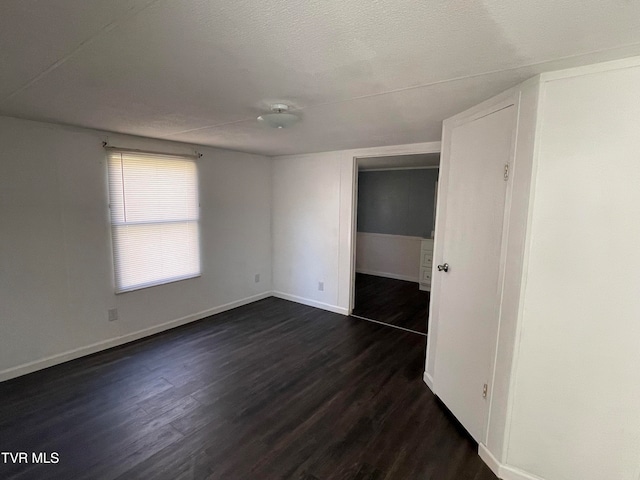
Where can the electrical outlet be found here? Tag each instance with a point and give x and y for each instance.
(321, 286)
(113, 314)
(257, 277)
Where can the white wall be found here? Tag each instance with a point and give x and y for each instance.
(56, 274)
(310, 228)
(576, 400)
(313, 223)
(391, 256)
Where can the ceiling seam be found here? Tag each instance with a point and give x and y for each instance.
(132, 12)
(413, 87)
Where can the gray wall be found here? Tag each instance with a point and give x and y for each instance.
(397, 202)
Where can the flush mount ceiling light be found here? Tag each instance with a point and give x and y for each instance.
(279, 116)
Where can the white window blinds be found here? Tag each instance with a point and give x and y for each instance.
(154, 219)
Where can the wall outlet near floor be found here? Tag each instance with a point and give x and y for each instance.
(321, 286)
(257, 277)
(113, 314)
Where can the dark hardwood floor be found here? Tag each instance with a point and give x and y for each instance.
(271, 390)
(395, 302)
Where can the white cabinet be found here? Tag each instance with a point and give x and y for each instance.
(426, 263)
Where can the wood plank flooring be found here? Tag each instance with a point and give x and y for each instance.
(391, 301)
(271, 390)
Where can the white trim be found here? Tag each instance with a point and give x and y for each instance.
(526, 255)
(395, 276)
(504, 250)
(488, 458)
(30, 367)
(504, 472)
(428, 379)
(391, 169)
(511, 473)
(395, 150)
(387, 324)
(492, 105)
(311, 303)
(591, 69)
(389, 235)
(353, 234)
(192, 156)
(407, 149)
(166, 281)
(382, 151)
(501, 102)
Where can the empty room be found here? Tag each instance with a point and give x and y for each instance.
(395, 223)
(340, 240)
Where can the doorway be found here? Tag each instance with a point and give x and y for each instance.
(395, 218)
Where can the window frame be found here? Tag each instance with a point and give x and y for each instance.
(192, 158)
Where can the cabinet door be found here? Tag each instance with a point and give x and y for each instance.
(469, 292)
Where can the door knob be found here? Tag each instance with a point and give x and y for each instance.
(443, 268)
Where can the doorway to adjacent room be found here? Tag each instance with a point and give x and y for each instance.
(395, 218)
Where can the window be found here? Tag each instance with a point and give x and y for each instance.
(154, 218)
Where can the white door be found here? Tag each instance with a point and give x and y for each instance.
(469, 293)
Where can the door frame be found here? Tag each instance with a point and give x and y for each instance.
(500, 102)
(386, 151)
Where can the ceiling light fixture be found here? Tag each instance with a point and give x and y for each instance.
(279, 118)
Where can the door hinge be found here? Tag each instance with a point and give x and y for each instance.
(485, 389)
(506, 172)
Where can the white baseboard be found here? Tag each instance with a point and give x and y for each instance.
(395, 276)
(114, 342)
(488, 458)
(504, 472)
(511, 473)
(312, 303)
(428, 379)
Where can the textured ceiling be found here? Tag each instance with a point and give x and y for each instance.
(360, 73)
(399, 161)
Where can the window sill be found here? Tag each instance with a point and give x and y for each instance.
(155, 284)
